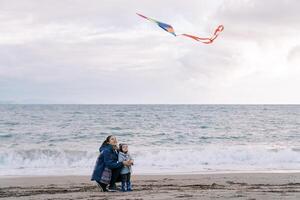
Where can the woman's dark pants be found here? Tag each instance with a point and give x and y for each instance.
(115, 177)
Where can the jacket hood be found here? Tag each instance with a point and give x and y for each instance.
(123, 153)
(106, 146)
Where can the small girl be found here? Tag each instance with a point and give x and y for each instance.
(126, 171)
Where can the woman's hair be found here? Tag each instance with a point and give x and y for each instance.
(106, 141)
(120, 147)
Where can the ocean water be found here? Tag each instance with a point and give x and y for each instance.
(163, 139)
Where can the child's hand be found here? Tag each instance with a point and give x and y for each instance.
(131, 162)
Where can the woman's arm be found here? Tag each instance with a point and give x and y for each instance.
(109, 162)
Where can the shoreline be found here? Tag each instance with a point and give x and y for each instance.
(165, 174)
(188, 186)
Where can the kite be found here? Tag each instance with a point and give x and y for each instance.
(170, 29)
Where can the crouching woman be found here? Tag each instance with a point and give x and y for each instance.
(107, 169)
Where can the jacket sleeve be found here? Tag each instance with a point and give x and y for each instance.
(121, 158)
(130, 158)
(109, 162)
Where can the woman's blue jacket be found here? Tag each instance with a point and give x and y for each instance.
(108, 158)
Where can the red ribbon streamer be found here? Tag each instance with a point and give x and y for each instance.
(207, 40)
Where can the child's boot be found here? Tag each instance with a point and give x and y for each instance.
(123, 186)
(129, 189)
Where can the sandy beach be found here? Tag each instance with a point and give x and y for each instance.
(206, 186)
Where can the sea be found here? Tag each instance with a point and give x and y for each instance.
(163, 139)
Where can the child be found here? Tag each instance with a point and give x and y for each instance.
(126, 171)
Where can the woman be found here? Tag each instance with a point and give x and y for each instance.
(107, 168)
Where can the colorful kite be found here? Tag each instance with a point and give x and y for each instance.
(170, 29)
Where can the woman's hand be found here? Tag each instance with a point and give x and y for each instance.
(127, 163)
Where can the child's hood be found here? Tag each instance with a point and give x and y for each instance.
(123, 154)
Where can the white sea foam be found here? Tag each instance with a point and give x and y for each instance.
(157, 160)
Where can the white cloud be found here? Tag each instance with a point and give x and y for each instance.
(101, 52)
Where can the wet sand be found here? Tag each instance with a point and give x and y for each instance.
(209, 186)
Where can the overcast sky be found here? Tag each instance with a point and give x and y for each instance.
(100, 51)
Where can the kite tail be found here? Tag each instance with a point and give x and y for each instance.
(203, 40)
(207, 40)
